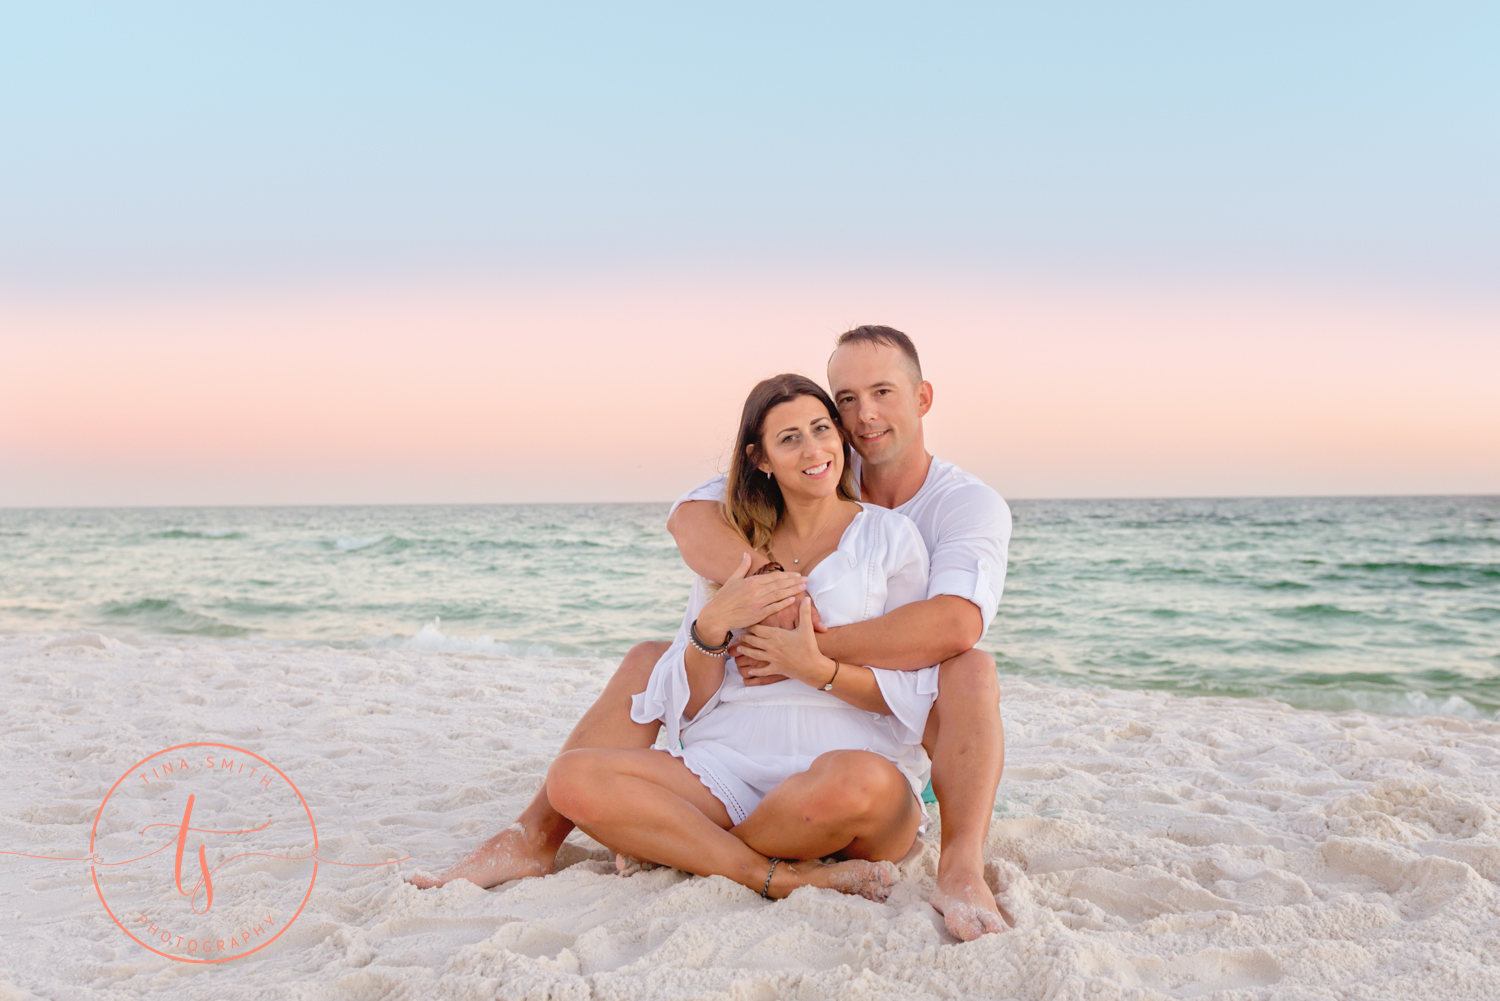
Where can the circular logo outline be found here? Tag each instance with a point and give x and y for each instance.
(94, 833)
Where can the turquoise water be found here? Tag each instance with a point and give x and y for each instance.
(1390, 604)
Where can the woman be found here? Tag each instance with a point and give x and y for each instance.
(828, 761)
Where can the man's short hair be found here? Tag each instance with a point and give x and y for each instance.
(889, 336)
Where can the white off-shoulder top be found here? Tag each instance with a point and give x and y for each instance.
(746, 741)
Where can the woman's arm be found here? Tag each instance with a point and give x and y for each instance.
(705, 676)
(741, 602)
(794, 653)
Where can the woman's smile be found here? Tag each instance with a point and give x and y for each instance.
(816, 472)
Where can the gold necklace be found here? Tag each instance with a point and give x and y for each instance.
(798, 558)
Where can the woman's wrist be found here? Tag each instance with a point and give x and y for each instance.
(710, 629)
(823, 671)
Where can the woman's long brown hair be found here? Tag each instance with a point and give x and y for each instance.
(752, 500)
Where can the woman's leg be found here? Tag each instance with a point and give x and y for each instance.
(529, 846)
(649, 805)
(851, 802)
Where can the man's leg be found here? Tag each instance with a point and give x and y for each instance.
(529, 846)
(966, 742)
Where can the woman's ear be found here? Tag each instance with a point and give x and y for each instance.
(763, 466)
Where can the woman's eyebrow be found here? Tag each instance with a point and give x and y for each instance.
(785, 430)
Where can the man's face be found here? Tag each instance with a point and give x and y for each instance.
(879, 398)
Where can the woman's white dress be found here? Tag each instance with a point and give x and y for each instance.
(745, 741)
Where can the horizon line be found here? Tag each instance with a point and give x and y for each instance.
(581, 503)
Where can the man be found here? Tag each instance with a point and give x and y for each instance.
(876, 381)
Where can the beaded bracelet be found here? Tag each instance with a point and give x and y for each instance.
(704, 648)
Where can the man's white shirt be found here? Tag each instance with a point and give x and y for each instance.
(964, 522)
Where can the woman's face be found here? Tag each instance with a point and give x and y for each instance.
(803, 449)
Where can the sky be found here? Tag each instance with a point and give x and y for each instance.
(378, 253)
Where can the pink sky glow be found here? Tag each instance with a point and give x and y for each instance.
(627, 389)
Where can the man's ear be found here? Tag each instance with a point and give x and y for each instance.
(924, 398)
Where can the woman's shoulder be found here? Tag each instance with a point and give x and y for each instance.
(885, 525)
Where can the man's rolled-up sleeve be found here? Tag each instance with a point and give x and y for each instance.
(712, 490)
(973, 544)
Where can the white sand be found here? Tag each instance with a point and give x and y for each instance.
(1147, 846)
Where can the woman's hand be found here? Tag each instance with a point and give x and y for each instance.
(749, 667)
(790, 652)
(744, 601)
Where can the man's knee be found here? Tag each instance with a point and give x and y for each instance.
(971, 677)
(968, 702)
(635, 669)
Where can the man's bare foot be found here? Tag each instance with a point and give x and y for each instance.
(967, 906)
(627, 866)
(509, 855)
(872, 880)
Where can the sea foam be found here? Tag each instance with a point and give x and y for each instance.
(431, 639)
(1389, 604)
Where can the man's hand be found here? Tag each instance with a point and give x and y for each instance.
(793, 652)
(784, 619)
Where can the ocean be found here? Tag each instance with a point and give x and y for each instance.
(1160, 831)
(1390, 605)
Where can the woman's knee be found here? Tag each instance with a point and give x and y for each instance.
(853, 785)
(575, 784)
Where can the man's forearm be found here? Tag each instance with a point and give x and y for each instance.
(908, 638)
(708, 545)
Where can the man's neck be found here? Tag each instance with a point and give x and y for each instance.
(892, 484)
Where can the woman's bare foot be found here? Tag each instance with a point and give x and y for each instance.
(627, 866)
(967, 906)
(872, 880)
(511, 854)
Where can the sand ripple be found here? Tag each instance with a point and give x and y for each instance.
(1146, 846)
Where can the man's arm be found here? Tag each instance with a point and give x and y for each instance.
(908, 638)
(967, 568)
(708, 545)
(914, 636)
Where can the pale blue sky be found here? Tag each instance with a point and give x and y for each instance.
(176, 144)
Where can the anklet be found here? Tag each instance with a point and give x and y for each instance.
(767, 891)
